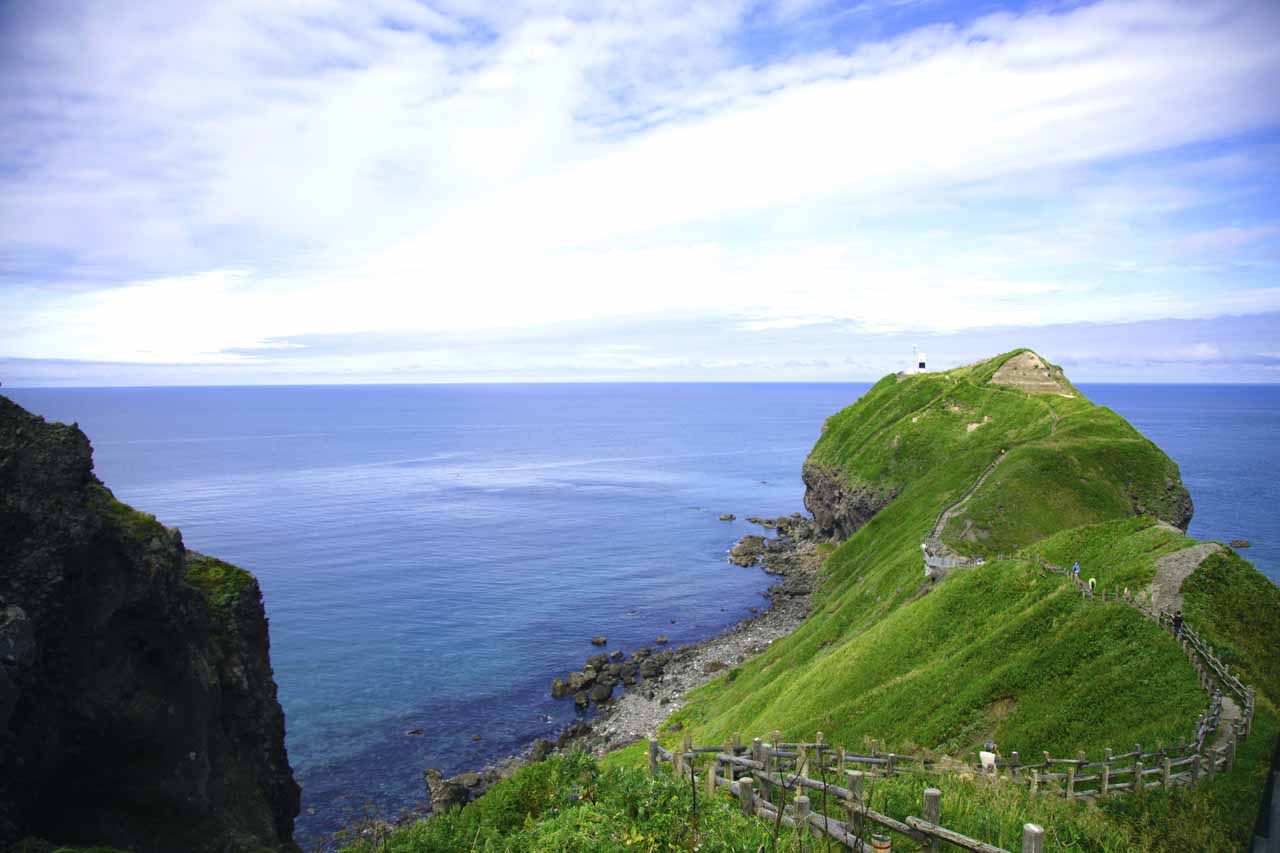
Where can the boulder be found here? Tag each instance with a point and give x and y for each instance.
(1239, 543)
(661, 640)
(576, 681)
(616, 656)
(541, 749)
(597, 662)
(728, 516)
(748, 551)
(444, 793)
(601, 693)
(581, 699)
(714, 666)
(599, 641)
(558, 688)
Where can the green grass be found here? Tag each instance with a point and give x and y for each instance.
(572, 803)
(221, 583)
(1004, 652)
(139, 526)
(1237, 609)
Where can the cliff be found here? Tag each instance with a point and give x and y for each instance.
(137, 704)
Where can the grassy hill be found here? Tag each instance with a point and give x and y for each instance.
(1003, 459)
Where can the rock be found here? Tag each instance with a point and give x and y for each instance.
(444, 793)
(608, 680)
(629, 680)
(714, 666)
(747, 551)
(581, 699)
(677, 726)
(840, 505)
(614, 669)
(649, 668)
(641, 654)
(135, 675)
(728, 516)
(475, 738)
(541, 749)
(630, 668)
(598, 662)
(599, 641)
(1239, 543)
(414, 733)
(558, 688)
(661, 640)
(601, 693)
(575, 682)
(616, 656)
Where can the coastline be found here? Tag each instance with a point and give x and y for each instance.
(793, 556)
(638, 713)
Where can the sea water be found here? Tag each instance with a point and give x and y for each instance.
(432, 556)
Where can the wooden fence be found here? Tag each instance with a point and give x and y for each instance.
(782, 770)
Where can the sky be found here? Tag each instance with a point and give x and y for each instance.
(314, 191)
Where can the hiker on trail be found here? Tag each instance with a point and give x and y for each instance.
(1075, 570)
(1177, 624)
(1093, 582)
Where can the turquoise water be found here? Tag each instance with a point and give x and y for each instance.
(432, 556)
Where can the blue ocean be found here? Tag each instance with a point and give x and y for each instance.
(431, 556)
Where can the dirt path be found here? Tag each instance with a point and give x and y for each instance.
(1173, 569)
(951, 511)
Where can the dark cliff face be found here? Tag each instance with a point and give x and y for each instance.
(839, 507)
(137, 704)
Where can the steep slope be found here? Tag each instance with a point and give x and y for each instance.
(137, 705)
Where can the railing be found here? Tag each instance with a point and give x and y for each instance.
(784, 769)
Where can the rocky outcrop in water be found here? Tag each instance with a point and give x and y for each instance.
(137, 704)
(839, 506)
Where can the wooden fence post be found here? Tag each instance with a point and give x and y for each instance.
(1106, 773)
(728, 749)
(1032, 838)
(711, 776)
(766, 787)
(933, 813)
(653, 758)
(745, 798)
(888, 767)
(1164, 776)
(854, 804)
(1013, 765)
(1138, 784)
(1071, 782)
(800, 807)
(1137, 762)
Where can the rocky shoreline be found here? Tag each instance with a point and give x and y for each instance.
(668, 676)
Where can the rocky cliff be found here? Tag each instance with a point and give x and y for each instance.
(839, 505)
(137, 704)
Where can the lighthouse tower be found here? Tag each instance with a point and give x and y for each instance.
(917, 361)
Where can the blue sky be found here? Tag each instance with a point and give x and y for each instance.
(318, 191)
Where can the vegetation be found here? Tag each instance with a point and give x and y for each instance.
(571, 802)
(138, 526)
(221, 583)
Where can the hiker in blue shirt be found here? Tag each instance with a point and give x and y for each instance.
(1076, 571)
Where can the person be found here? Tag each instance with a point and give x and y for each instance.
(1093, 583)
(1177, 623)
(1075, 570)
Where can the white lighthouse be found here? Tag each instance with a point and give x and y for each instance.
(917, 361)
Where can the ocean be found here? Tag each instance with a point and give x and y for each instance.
(432, 556)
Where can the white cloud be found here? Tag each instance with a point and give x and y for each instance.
(242, 172)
